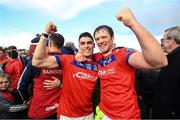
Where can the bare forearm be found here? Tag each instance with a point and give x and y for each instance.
(40, 51)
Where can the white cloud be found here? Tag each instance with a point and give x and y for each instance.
(19, 39)
(129, 41)
(63, 9)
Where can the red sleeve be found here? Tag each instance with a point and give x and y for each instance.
(18, 69)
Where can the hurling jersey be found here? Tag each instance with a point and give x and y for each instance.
(117, 82)
(79, 81)
(44, 103)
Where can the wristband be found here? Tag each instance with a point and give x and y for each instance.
(45, 35)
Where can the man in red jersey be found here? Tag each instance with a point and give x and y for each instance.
(116, 68)
(44, 101)
(79, 78)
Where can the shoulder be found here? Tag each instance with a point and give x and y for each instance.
(124, 49)
(66, 57)
(97, 56)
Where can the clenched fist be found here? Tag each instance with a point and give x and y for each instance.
(50, 28)
(126, 16)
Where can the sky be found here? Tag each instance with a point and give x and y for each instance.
(21, 20)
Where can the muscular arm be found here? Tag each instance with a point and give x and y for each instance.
(39, 58)
(152, 55)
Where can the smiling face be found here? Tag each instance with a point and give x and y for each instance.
(104, 41)
(86, 46)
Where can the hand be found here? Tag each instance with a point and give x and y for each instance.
(50, 28)
(79, 57)
(51, 84)
(126, 16)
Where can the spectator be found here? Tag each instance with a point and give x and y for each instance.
(146, 80)
(69, 48)
(20, 57)
(8, 109)
(72, 46)
(166, 102)
(14, 69)
(3, 57)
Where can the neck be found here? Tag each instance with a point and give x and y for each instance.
(174, 47)
(89, 58)
(109, 52)
(52, 49)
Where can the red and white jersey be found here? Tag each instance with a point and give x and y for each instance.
(44, 102)
(79, 81)
(117, 82)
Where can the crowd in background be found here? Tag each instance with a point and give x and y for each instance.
(28, 85)
(14, 69)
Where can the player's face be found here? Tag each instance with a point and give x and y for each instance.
(4, 84)
(104, 41)
(86, 46)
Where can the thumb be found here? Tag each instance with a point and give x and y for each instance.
(54, 77)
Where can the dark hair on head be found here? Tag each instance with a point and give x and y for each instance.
(85, 34)
(5, 49)
(57, 40)
(106, 28)
(1, 48)
(12, 54)
(12, 47)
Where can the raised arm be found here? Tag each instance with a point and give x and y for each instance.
(40, 59)
(152, 55)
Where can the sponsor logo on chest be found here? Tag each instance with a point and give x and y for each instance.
(84, 76)
(104, 72)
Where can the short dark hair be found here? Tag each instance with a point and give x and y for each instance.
(12, 47)
(105, 27)
(1, 49)
(12, 54)
(57, 40)
(85, 34)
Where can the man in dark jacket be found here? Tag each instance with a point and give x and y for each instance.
(167, 100)
(146, 81)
